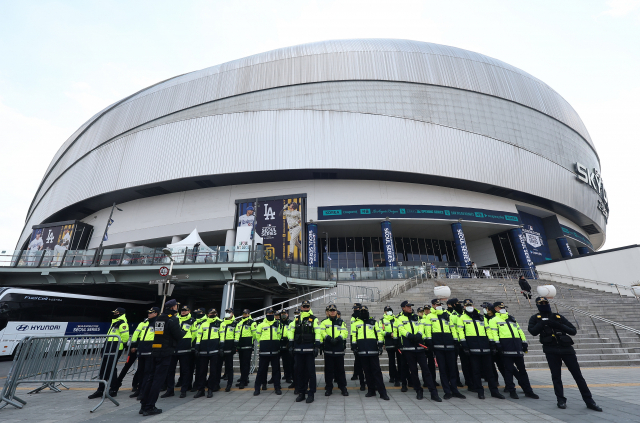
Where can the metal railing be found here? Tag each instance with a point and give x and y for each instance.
(600, 318)
(55, 360)
(399, 288)
(619, 288)
(354, 293)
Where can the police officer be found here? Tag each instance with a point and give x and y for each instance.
(141, 347)
(306, 346)
(410, 330)
(555, 330)
(285, 355)
(167, 334)
(367, 337)
(431, 359)
(441, 335)
(387, 324)
(511, 343)
(199, 316)
(245, 335)
(489, 314)
(358, 374)
(208, 349)
(268, 334)
(334, 338)
(119, 327)
(476, 345)
(182, 354)
(289, 333)
(229, 345)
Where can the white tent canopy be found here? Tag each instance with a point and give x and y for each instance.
(189, 242)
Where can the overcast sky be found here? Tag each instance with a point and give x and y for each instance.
(63, 61)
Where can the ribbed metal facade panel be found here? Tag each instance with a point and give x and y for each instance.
(255, 141)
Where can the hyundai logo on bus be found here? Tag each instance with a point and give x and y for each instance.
(23, 328)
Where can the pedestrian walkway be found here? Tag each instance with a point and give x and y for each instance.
(616, 390)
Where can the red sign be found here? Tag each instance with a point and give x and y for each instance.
(164, 271)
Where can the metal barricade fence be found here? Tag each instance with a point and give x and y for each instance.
(52, 361)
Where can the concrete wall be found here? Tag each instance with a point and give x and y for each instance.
(618, 266)
(482, 252)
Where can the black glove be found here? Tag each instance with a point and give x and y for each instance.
(290, 347)
(197, 353)
(328, 339)
(418, 337)
(336, 340)
(410, 336)
(525, 347)
(221, 352)
(354, 347)
(429, 343)
(494, 350)
(465, 347)
(316, 350)
(380, 345)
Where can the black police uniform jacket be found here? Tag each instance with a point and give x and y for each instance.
(554, 330)
(167, 335)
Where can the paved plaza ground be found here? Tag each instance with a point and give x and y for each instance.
(616, 390)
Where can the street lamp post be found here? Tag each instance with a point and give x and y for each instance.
(167, 253)
(99, 251)
(327, 262)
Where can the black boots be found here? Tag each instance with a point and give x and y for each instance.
(199, 394)
(96, 394)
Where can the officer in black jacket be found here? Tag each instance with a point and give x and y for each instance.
(167, 334)
(287, 359)
(554, 330)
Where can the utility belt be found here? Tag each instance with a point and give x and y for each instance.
(556, 339)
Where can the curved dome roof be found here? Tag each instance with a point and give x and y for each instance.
(327, 61)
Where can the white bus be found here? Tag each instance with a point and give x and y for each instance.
(29, 312)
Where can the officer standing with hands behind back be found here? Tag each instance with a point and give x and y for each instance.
(554, 330)
(306, 346)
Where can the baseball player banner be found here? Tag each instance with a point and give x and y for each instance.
(276, 223)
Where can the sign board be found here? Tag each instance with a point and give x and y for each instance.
(164, 271)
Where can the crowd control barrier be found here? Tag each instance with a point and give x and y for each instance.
(52, 361)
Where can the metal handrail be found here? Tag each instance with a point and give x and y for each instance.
(593, 281)
(287, 301)
(398, 289)
(602, 319)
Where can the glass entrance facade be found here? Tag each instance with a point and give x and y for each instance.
(355, 252)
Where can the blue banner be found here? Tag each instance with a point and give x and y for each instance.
(583, 251)
(83, 328)
(461, 244)
(568, 232)
(312, 245)
(520, 244)
(565, 249)
(387, 241)
(536, 238)
(416, 212)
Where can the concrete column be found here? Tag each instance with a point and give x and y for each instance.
(565, 249)
(267, 300)
(583, 251)
(229, 244)
(524, 258)
(176, 238)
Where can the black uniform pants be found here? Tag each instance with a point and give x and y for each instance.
(263, 370)
(357, 368)
(448, 368)
(138, 377)
(517, 361)
(394, 358)
(457, 353)
(305, 373)
(481, 365)
(414, 359)
(186, 372)
(373, 374)
(465, 363)
(244, 356)
(207, 364)
(571, 361)
(105, 367)
(431, 361)
(287, 363)
(334, 370)
(155, 374)
(228, 367)
(131, 358)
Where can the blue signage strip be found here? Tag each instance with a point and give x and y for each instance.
(312, 245)
(83, 328)
(416, 212)
(576, 236)
(565, 250)
(387, 241)
(583, 251)
(519, 242)
(461, 244)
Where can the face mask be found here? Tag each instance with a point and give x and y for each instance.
(389, 313)
(503, 311)
(270, 317)
(484, 310)
(439, 308)
(458, 308)
(227, 315)
(364, 315)
(544, 308)
(469, 309)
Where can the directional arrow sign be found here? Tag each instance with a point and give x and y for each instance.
(157, 281)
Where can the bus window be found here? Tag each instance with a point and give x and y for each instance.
(68, 313)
